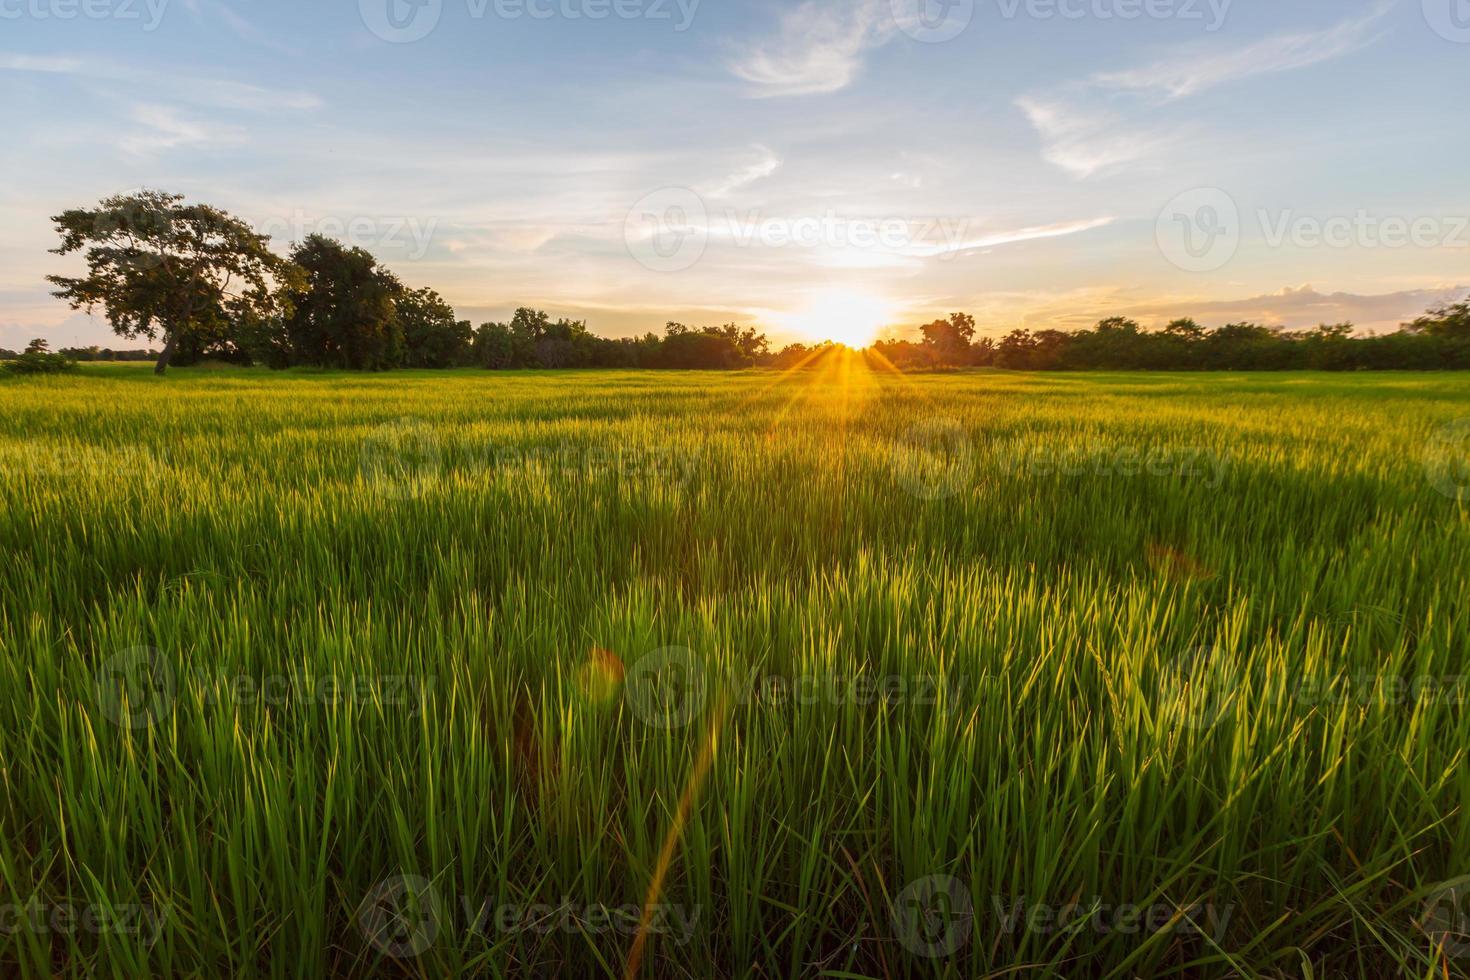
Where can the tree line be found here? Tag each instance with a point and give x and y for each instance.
(207, 286)
(1438, 340)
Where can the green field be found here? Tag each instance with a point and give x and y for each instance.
(833, 673)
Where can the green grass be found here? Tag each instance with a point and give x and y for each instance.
(1186, 643)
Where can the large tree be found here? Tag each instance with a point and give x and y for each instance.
(159, 266)
(343, 312)
(432, 337)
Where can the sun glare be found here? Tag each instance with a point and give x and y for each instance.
(846, 316)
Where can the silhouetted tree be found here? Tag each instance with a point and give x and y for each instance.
(158, 266)
(343, 311)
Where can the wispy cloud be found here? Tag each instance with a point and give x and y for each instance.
(1087, 127)
(1196, 71)
(1015, 236)
(165, 128)
(818, 48)
(236, 24)
(211, 93)
(765, 166)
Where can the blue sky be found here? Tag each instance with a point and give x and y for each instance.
(819, 168)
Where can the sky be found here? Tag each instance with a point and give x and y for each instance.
(826, 168)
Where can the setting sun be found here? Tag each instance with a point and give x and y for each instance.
(846, 316)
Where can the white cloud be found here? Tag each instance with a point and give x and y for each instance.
(818, 49)
(167, 128)
(1016, 235)
(211, 93)
(1195, 71)
(765, 166)
(1086, 128)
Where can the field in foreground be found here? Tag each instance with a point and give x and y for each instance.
(837, 673)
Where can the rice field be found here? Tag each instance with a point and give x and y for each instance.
(834, 673)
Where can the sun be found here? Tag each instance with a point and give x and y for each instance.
(850, 317)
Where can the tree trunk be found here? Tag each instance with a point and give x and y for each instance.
(168, 352)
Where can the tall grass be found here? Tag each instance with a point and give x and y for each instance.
(835, 673)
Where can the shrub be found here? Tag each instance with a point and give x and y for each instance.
(39, 359)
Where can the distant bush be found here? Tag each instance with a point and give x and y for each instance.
(39, 359)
